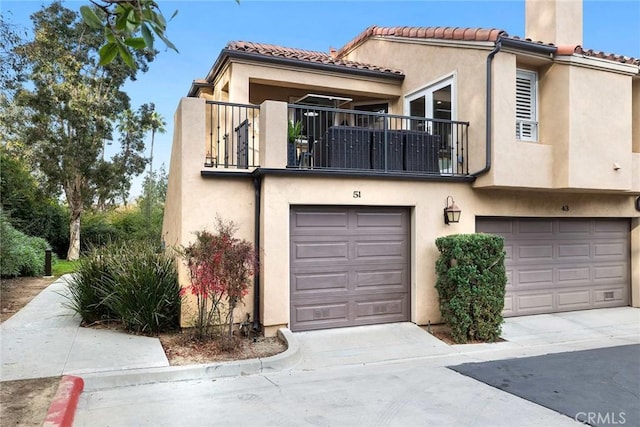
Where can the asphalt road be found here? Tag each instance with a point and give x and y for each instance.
(598, 387)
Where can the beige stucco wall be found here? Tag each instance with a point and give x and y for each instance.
(425, 64)
(554, 21)
(426, 201)
(635, 262)
(585, 113)
(193, 202)
(600, 129)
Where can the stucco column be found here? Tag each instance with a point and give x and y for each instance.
(273, 134)
(187, 159)
(635, 262)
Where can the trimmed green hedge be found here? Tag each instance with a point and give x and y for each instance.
(471, 285)
(20, 255)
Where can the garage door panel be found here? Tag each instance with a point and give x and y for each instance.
(353, 276)
(382, 278)
(509, 305)
(380, 250)
(610, 272)
(611, 295)
(535, 253)
(321, 282)
(395, 221)
(321, 251)
(320, 219)
(574, 300)
(509, 278)
(568, 275)
(534, 302)
(508, 257)
(563, 264)
(391, 308)
(535, 228)
(574, 251)
(534, 278)
(577, 226)
(614, 250)
(314, 315)
(618, 229)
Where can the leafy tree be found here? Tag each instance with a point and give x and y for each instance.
(27, 207)
(157, 124)
(128, 26)
(70, 106)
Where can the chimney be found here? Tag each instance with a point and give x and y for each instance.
(333, 52)
(554, 21)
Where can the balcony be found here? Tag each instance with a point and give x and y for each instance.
(299, 137)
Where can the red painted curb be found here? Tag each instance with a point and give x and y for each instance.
(63, 406)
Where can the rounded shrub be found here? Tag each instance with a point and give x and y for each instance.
(471, 285)
(20, 255)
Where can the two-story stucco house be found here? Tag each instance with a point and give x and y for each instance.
(339, 167)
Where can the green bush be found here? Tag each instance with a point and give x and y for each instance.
(20, 255)
(471, 285)
(97, 231)
(146, 294)
(31, 209)
(130, 283)
(91, 286)
(120, 225)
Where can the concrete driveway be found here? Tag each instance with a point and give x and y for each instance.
(393, 374)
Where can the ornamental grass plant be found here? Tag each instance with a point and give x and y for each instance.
(131, 283)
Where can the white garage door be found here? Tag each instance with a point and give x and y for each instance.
(563, 264)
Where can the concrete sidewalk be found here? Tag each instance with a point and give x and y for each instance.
(393, 374)
(44, 339)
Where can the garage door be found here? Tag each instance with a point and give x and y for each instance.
(349, 266)
(563, 264)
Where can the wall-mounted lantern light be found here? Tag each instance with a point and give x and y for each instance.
(451, 212)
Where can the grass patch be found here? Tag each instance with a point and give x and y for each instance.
(62, 266)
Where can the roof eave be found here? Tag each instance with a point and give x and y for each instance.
(227, 54)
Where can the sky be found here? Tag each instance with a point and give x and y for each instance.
(201, 29)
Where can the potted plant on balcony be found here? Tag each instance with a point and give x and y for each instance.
(294, 133)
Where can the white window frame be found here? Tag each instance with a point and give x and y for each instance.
(527, 121)
(427, 92)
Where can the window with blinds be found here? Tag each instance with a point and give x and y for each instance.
(526, 106)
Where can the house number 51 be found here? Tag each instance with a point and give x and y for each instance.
(356, 194)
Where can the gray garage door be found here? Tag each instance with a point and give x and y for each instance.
(349, 266)
(563, 264)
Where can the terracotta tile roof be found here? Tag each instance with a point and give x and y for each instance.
(437, 33)
(442, 33)
(470, 34)
(570, 50)
(304, 55)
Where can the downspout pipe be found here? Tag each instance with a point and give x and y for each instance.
(500, 43)
(487, 162)
(257, 187)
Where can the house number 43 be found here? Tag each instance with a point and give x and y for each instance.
(356, 194)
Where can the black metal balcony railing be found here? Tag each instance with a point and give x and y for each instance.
(232, 135)
(332, 138)
(338, 139)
